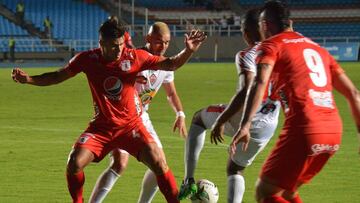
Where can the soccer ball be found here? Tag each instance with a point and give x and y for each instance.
(207, 192)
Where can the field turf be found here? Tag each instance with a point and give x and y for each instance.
(38, 126)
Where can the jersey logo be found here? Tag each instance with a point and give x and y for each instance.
(113, 87)
(125, 65)
(85, 137)
(153, 79)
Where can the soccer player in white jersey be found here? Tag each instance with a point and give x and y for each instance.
(147, 85)
(225, 119)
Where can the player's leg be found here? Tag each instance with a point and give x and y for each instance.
(292, 197)
(193, 146)
(242, 159)
(268, 193)
(153, 156)
(235, 182)
(149, 185)
(78, 159)
(105, 182)
(91, 146)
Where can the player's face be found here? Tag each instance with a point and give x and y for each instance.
(111, 48)
(263, 23)
(158, 43)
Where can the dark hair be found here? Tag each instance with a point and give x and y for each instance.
(111, 29)
(251, 23)
(278, 12)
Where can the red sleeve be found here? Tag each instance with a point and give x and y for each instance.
(335, 68)
(147, 60)
(75, 64)
(267, 53)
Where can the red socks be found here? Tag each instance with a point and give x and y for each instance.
(75, 186)
(274, 199)
(167, 186)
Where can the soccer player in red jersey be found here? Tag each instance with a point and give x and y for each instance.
(111, 72)
(148, 84)
(304, 75)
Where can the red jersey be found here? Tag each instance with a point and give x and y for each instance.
(115, 99)
(127, 40)
(302, 77)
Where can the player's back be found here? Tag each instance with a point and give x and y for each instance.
(303, 71)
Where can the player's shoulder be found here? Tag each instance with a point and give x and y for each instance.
(248, 51)
(93, 54)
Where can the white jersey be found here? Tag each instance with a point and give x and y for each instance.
(268, 112)
(153, 82)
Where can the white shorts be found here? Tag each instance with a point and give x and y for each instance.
(259, 136)
(147, 123)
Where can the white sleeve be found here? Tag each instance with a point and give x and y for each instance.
(248, 61)
(169, 77)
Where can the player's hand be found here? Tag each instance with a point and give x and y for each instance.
(181, 125)
(242, 135)
(19, 76)
(194, 39)
(217, 133)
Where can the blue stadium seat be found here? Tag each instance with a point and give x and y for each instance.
(71, 19)
(328, 29)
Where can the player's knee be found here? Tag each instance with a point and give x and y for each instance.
(288, 195)
(160, 167)
(78, 159)
(74, 165)
(264, 189)
(119, 162)
(234, 169)
(197, 120)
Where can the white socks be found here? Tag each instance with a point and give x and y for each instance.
(103, 185)
(193, 147)
(236, 188)
(149, 187)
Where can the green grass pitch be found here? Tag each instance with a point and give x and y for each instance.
(38, 126)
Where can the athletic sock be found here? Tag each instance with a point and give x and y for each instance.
(274, 199)
(167, 185)
(75, 185)
(103, 185)
(296, 199)
(193, 147)
(236, 188)
(149, 187)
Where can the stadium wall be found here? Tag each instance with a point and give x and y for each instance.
(216, 48)
(227, 47)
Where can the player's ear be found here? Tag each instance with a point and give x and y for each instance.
(101, 42)
(291, 25)
(147, 38)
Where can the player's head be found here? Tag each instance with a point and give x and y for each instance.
(274, 18)
(250, 26)
(111, 39)
(158, 38)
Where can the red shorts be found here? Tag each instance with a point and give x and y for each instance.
(297, 158)
(101, 141)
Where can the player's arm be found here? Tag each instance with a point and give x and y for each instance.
(192, 42)
(45, 79)
(255, 99)
(236, 104)
(175, 103)
(343, 84)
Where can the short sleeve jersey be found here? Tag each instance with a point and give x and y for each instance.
(154, 79)
(302, 78)
(268, 111)
(115, 99)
